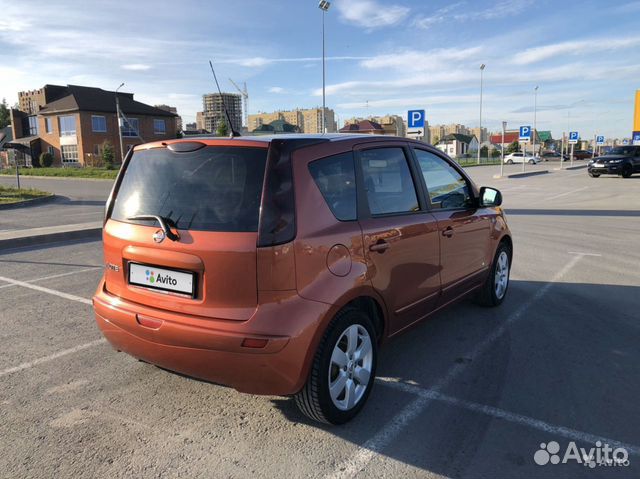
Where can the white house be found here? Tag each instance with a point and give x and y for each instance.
(456, 144)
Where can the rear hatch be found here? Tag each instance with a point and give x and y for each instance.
(207, 195)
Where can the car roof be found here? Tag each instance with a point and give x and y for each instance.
(264, 140)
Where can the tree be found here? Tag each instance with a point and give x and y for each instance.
(46, 160)
(513, 147)
(222, 130)
(484, 152)
(107, 155)
(5, 119)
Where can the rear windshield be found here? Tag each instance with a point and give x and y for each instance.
(211, 189)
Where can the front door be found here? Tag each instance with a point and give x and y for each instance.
(464, 229)
(401, 237)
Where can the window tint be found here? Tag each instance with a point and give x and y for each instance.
(447, 188)
(335, 178)
(388, 181)
(211, 189)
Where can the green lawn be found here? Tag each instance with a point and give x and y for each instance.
(64, 172)
(14, 195)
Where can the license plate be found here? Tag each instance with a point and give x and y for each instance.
(162, 279)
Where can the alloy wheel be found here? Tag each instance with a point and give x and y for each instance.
(501, 280)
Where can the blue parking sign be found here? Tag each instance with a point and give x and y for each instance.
(573, 137)
(525, 133)
(415, 118)
(636, 138)
(600, 140)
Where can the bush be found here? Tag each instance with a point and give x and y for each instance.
(108, 155)
(46, 160)
(495, 153)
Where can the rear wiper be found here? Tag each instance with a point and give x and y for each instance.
(163, 222)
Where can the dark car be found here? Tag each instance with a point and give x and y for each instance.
(277, 265)
(582, 155)
(552, 155)
(621, 160)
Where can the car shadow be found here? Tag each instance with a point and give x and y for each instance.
(566, 360)
(559, 212)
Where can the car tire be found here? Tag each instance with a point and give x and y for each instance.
(594, 175)
(509, 162)
(345, 359)
(627, 171)
(495, 287)
(532, 162)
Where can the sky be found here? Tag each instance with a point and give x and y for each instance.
(382, 56)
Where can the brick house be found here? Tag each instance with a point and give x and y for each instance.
(73, 122)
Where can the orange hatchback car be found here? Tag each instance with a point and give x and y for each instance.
(278, 265)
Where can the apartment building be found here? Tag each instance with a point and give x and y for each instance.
(213, 111)
(307, 120)
(73, 122)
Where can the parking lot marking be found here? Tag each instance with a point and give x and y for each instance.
(51, 357)
(53, 276)
(565, 193)
(584, 254)
(506, 415)
(42, 289)
(390, 431)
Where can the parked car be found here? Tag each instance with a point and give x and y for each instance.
(620, 160)
(519, 157)
(553, 155)
(582, 155)
(278, 265)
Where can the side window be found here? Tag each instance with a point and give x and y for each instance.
(447, 188)
(335, 177)
(388, 182)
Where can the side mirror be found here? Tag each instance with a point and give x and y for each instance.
(490, 197)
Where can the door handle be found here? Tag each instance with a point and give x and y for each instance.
(381, 246)
(448, 232)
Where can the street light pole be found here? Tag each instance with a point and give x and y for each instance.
(504, 127)
(480, 129)
(324, 6)
(535, 112)
(118, 124)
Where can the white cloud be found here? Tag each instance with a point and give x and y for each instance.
(461, 11)
(137, 67)
(422, 60)
(580, 47)
(276, 89)
(370, 14)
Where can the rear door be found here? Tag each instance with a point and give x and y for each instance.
(465, 251)
(400, 236)
(210, 196)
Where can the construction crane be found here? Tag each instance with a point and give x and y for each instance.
(245, 100)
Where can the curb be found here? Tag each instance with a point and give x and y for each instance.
(27, 203)
(75, 232)
(578, 167)
(75, 178)
(525, 174)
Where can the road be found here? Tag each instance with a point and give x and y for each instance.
(472, 392)
(79, 201)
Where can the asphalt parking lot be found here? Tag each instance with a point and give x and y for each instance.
(470, 393)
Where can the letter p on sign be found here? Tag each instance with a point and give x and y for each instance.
(415, 118)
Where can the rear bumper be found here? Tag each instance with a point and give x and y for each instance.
(212, 350)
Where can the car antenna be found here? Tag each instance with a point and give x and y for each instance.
(224, 105)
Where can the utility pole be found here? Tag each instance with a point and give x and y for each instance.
(535, 111)
(504, 127)
(118, 115)
(324, 6)
(480, 129)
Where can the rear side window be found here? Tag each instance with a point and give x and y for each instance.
(335, 178)
(387, 180)
(210, 189)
